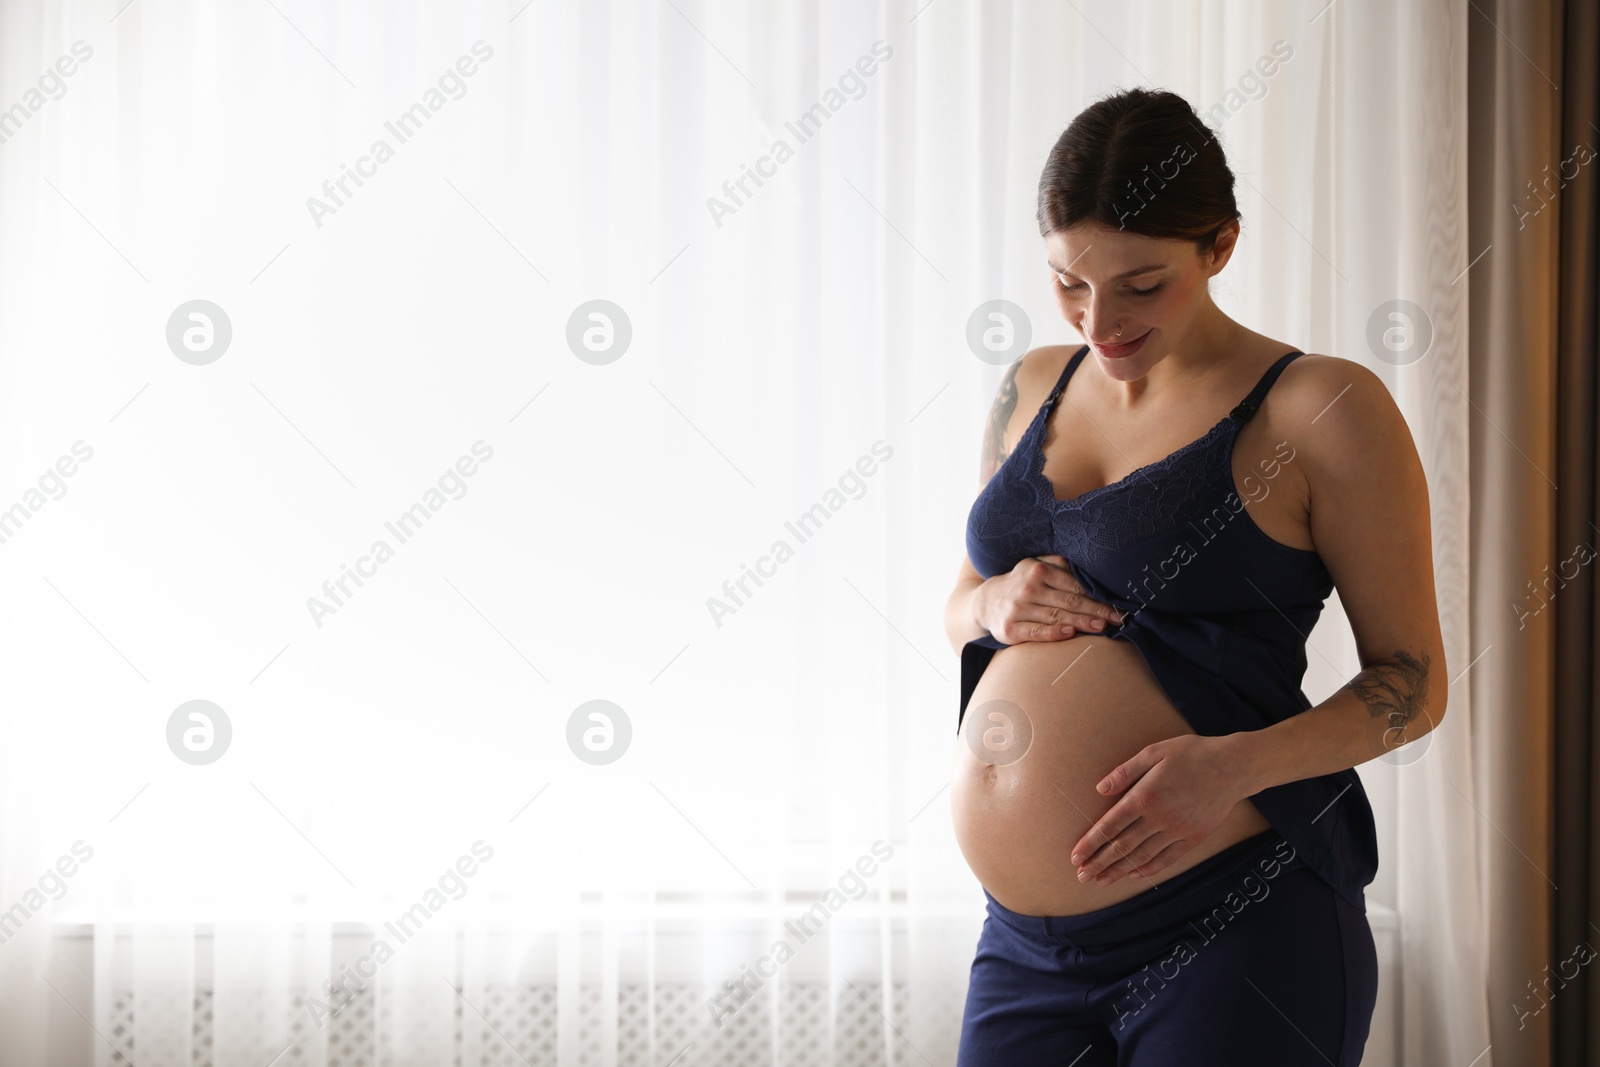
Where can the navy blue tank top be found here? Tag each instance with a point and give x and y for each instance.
(1219, 610)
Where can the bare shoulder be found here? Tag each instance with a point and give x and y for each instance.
(1341, 414)
(1369, 513)
(1314, 386)
(1037, 373)
(1023, 388)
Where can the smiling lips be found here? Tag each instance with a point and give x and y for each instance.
(1121, 351)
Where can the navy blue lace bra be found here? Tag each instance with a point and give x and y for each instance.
(1219, 610)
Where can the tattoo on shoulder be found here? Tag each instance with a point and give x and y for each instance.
(1398, 690)
(994, 445)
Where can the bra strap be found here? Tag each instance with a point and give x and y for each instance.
(1247, 407)
(1066, 372)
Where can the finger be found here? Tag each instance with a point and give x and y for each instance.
(1065, 606)
(1129, 771)
(1056, 573)
(1115, 851)
(1165, 858)
(1061, 589)
(1119, 818)
(1051, 612)
(1139, 863)
(1035, 623)
(1056, 559)
(1085, 608)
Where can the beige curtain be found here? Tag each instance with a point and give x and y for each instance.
(1532, 195)
(1576, 1018)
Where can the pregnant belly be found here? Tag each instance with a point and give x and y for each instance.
(1090, 702)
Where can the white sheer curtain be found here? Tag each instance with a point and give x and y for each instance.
(737, 525)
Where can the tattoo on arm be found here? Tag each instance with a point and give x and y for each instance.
(1398, 690)
(994, 445)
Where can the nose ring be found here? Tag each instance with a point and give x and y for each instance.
(1119, 331)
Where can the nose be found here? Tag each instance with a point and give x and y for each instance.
(1099, 323)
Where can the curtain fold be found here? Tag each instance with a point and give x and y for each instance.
(1575, 928)
(1515, 101)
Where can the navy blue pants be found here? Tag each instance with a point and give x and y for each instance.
(1246, 958)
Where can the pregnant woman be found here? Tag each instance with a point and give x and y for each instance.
(1172, 841)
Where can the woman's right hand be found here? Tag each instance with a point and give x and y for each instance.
(1040, 600)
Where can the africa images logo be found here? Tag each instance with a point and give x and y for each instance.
(851, 85)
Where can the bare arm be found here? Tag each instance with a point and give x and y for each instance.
(960, 623)
(1370, 523)
(995, 447)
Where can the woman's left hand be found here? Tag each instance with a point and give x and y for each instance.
(1174, 793)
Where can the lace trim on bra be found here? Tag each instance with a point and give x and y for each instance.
(1045, 491)
(1108, 519)
(1105, 519)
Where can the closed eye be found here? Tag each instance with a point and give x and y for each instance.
(1131, 290)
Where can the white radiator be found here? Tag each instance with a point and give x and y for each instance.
(518, 1024)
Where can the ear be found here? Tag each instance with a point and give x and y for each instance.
(1222, 248)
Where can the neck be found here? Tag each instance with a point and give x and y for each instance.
(1209, 345)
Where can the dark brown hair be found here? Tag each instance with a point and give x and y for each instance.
(1139, 161)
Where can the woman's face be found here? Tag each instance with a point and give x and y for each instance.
(1152, 289)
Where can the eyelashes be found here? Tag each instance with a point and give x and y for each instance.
(1156, 288)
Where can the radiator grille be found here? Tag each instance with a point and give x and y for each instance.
(518, 1026)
